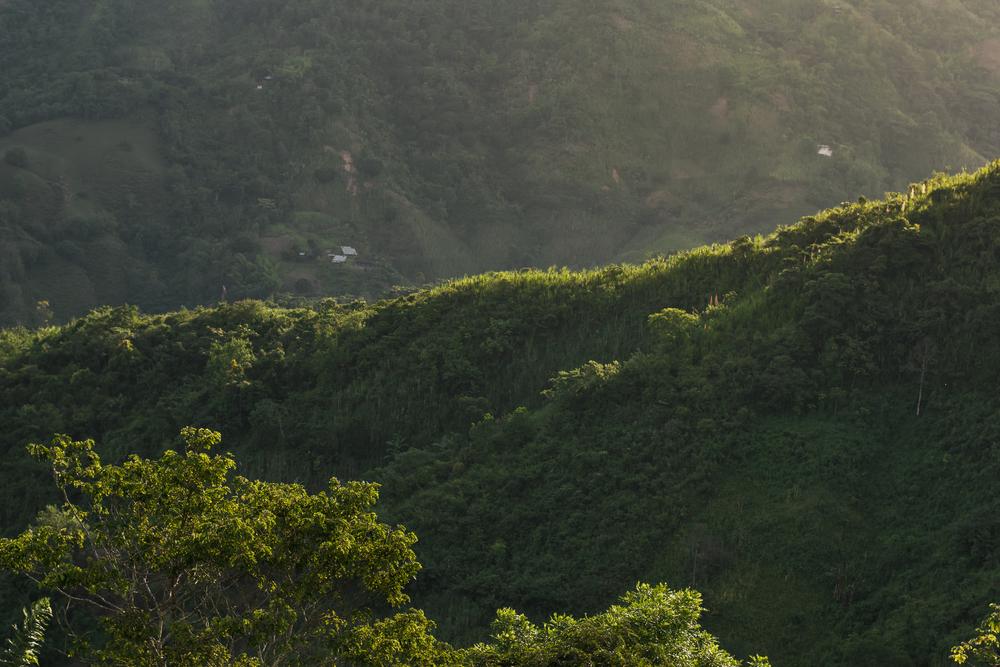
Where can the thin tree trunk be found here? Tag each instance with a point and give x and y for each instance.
(923, 375)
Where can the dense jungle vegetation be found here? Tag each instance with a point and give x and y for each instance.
(801, 426)
(162, 153)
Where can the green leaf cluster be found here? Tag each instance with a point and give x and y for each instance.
(184, 563)
(984, 648)
(651, 626)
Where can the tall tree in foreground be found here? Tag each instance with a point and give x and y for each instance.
(183, 563)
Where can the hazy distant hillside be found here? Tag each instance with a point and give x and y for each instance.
(803, 426)
(155, 152)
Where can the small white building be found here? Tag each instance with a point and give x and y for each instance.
(348, 250)
(338, 259)
(825, 151)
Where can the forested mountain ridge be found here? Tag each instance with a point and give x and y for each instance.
(802, 426)
(155, 152)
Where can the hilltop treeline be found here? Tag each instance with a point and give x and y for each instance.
(153, 152)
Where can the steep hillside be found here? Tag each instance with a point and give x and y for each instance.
(155, 153)
(802, 426)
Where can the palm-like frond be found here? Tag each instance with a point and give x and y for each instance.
(26, 642)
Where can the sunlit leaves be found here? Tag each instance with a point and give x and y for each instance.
(984, 648)
(185, 563)
(652, 625)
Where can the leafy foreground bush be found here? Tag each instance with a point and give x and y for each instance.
(652, 626)
(176, 561)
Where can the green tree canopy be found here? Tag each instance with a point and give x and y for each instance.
(184, 563)
(652, 626)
